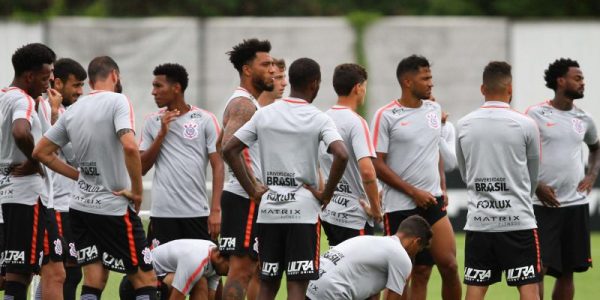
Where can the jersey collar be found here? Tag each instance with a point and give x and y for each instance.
(295, 100)
(337, 106)
(495, 104)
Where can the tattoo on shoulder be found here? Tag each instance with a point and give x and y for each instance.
(123, 131)
(241, 109)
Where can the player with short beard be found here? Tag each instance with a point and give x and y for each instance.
(279, 84)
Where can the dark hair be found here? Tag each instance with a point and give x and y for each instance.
(175, 73)
(303, 71)
(558, 68)
(32, 57)
(66, 66)
(346, 76)
(100, 67)
(416, 226)
(280, 63)
(495, 75)
(411, 64)
(245, 52)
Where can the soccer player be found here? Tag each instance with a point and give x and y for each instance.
(406, 135)
(279, 84)
(180, 264)
(180, 140)
(288, 235)
(344, 217)
(561, 206)
(103, 210)
(238, 232)
(21, 183)
(69, 77)
(359, 268)
(498, 153)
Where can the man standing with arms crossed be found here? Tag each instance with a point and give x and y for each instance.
(498, 152)
(344, 217)
(103, 210)
(179, 140)
(407, 135)
(238, 233)
(21, 183)
(288, 238)
(561, 206)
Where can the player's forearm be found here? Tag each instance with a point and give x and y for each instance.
(134, 169)
(442, 174)
(391, 295)
(53, 115)
(340, 160)
(448, 154)
(389, 177)
(369, 182)
(218, 174)
(23, 139)
(533, 169)
(55, 164)
(149, 156)
(594, 163)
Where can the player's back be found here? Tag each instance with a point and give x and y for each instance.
(496, 144)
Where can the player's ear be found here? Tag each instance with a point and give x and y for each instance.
(483, 89)
(58, 84)
(246, 70)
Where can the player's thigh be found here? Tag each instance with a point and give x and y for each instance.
(302, 252)
(443, 243)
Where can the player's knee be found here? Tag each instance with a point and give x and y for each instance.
(142, 278)
(421, 274)
(448, 267)
(54, 273)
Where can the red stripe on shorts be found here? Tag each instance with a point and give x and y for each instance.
(34, 232)
(59, 223)
(249, 222)
(318, 244)
(537, 251)
(386, 222)
(132, 252)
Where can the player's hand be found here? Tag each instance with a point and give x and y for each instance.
(423, 199)
(445, 197)
(444, 117)
(166, 119)
(28, 167)
(133, 198)
(374, 213)
(259, 190)
(586, 184)
(54, 97)
(547, 195)
(319, 195)
(214, 224)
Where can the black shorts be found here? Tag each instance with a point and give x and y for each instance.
(24, 227)
(290, 247)
(238, 226)
(118, 242)
(2, 269)
(337, 234)
(488, 254)
(564, 238)
(53, 242)
(64, 230)
(164, 230)
(432, 214)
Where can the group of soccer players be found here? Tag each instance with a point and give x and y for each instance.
(71, 184)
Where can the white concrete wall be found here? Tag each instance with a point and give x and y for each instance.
(15, 35)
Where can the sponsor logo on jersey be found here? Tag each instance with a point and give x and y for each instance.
(13, 257)
(89, 188)
(196, 115)
(340, 200)
(495, 204)
(491, 187)
(520, 273)
(147, 255)
(88, 253)
(227, 243)
(281, 181)
(578, 126)
(190, 130)
(333, 256)
(433, 120)
(5, 169)
(343, 187)
(113, 262)
(7, 192)
(274, 196)
(278, 211)
(270, 269)
(495, 218)
(58, 247)
(300, 267)
(477, 275)
(89, 168)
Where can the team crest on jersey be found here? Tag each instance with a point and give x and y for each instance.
(58, 247)
(432, 120)
(155, 243)
(72, 250)
(578, 126)
(190, 130)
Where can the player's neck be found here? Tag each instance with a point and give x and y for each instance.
(410, 101)
(18, 83)
(103, 86)
(246, 83)
(179, 105)
(301, 95)
(562, 102)
(266, 98)
(348, 102)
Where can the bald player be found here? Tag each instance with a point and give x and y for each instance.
(561, 203)
(361, 267)
(498, 153)
(407, 136)
(108, 232)
(255, 68)
(344, 217)
(289, 203)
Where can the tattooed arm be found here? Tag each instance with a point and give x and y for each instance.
(134, 167)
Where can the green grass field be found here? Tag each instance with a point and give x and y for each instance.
(586, 284)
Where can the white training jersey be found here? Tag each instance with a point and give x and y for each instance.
(44, 112)
(345, 209)
(179, 183)
(17, 104)
(189, 259)
(563, 134)
(63, 186)
(91, 125)
(288, 133)
(361, 267)
(251, 155)
(410, 137)
(448, 146)
(498, 152)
